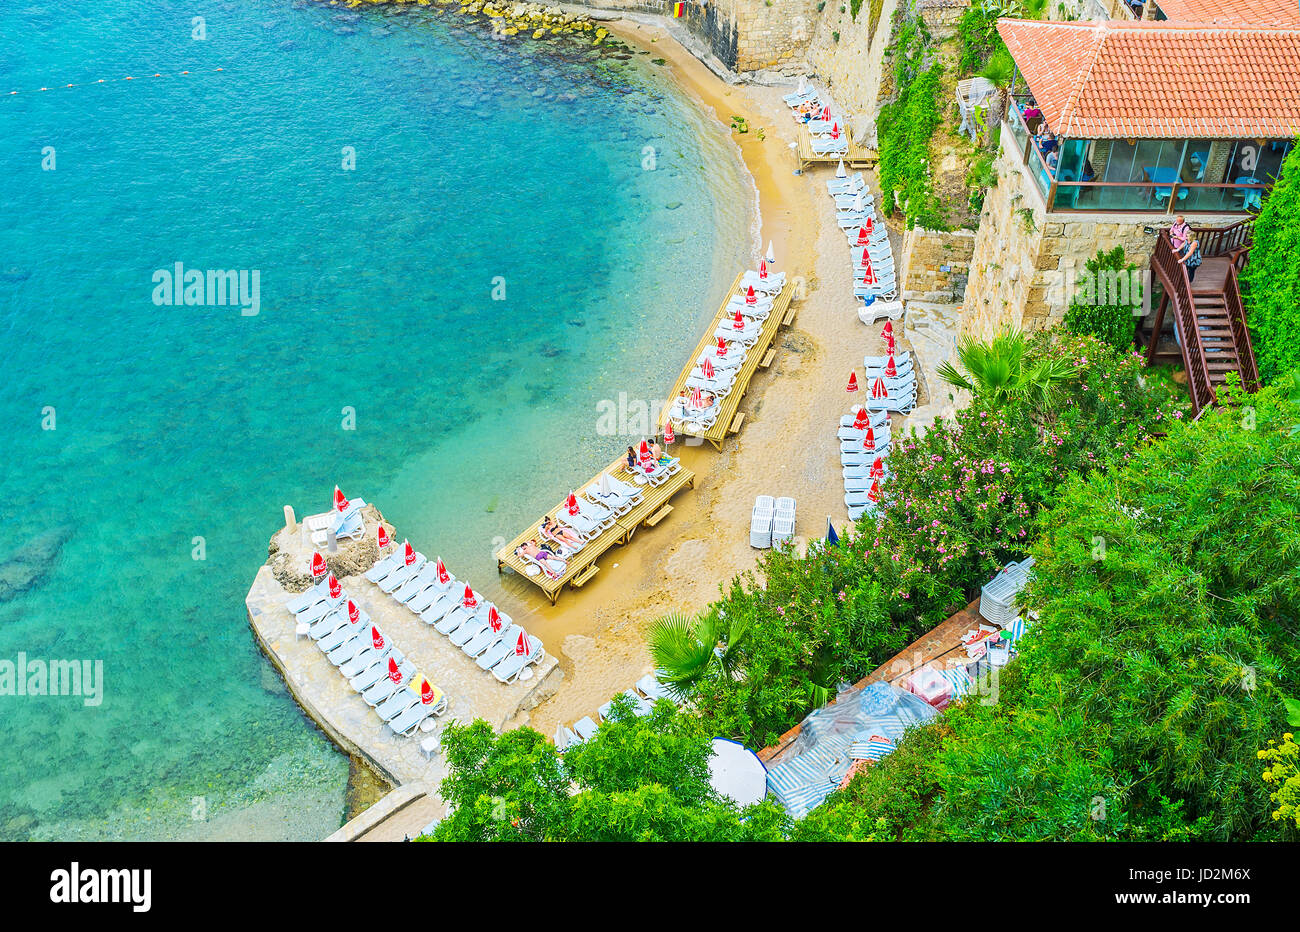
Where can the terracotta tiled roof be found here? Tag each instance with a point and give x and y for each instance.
(1142, 80)
(1238, 12)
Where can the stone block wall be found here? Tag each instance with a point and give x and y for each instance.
(753, 35)
(935, 265)
(1026, 262)
(852, 65)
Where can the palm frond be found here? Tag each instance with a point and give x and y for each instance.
(678, 652)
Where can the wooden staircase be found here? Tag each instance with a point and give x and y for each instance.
(1208, 312)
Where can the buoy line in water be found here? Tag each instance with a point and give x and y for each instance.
(112, 81)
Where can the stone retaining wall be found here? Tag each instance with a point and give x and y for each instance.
(935, 265)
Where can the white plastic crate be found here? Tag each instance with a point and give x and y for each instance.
(782, 529)
(760, 528)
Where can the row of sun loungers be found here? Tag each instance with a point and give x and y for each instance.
(454, 609)
(737, 328)
(772, 521)
(374, 667)
(872, 257)
(643, 696)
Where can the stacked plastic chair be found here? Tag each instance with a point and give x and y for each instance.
(783, 521)
(760, 522)
(998, 597)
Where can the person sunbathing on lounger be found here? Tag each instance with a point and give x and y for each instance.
(552, 565)
(631, 454)
(561, 533)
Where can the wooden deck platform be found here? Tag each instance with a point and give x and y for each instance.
(758, 356)
(652, 509)
(857, 157)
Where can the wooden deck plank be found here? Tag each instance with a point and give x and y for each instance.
(782, 314)
(857, 156)
(581, 566)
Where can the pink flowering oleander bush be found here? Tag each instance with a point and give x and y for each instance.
(962, 502)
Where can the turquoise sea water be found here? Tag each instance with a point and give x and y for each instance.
(475, 159)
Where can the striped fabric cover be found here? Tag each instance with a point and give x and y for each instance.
(800, 784)
(958, 679)
(874, 748)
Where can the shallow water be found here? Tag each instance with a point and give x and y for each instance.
(479, 164)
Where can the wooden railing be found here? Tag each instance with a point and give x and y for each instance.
(1233, 241)
(1240, 333)
(1173, 275)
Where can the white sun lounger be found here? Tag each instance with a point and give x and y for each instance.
(639, 705)
(409, 721)
(400, 575)
(851, 184)
(586, 728)
(318, 611)
(487, 637)
(385, 565)
(340, 636)
(433, 594)
(734, 359)
(397, 704)
(772, 285)
(376, 672)
(459, 614)
(385, 688)
(863, 483)
(497, 652)
(823, 146)
(316, 594)
(350, 649)
(862, 471)
(901, 358)
(426, 577)
(652, 689)
(469, 629)
(364, 659)
(748, 335)
(901, 403)
(863, 458)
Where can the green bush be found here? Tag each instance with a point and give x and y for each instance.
(641, 778)
(1164, 658)
(961, 503)
(1272, 276)
(1103, 304)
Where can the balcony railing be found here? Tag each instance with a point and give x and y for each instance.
(1062, 193)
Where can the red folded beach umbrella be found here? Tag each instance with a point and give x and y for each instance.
(318, 567)
(521, 645)
(866, 257)
(889, 328)
(835, 131)
(826, 112)
(874, 494)
(739, 322)
(697, 399)
(863, 232)
(853, 381)
(340, 502)
(468, 600)
(426, 693)
(722, 347)
(878, 468)
(762, 269)
(643, 451)
(707, 368)
(889, 343)
(381, 537)
(891, 370)
(408, 553)
(494, 618)
(336, 590)
(878, 388)
(870, 227)
(869, 439)
(354, 613)
(376, 639)
(571, 504)
(394, 673)
(669, 436)
(868, 277)
(443, 576)
(750, 297)
(860, 420)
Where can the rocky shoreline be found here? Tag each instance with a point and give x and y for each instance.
(512, 19)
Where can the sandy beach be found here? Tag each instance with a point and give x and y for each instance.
(785, 447)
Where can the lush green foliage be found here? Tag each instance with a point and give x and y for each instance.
(1104, 301)
(1283, 778)
(1164, 659)
(905, 126)
(1272, 276)
(639, 779)
(1001, 370)
(960, 505)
